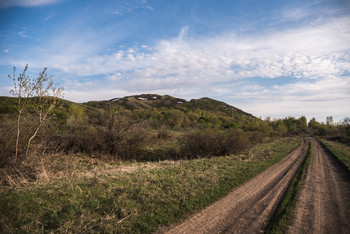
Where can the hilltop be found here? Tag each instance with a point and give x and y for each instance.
(149, 101)
(177, 112)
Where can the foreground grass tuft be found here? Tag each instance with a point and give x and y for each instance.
(137, 201)
(283, 214)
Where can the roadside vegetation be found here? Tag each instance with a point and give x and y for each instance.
(95, 196)
(339, 150)
(338, 132)
(284, 213)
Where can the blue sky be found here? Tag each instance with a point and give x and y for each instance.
(269, 58)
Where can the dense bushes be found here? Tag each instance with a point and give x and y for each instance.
(118, 135)
(211, 142)
(336, 132)
(149, 134)
(109, 133)
(125, 136)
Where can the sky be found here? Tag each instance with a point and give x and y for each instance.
(269, 58)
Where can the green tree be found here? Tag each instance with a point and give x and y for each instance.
(329, 120)
(40, 95)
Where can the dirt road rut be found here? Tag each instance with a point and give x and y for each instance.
(323, 205)
(249, 207)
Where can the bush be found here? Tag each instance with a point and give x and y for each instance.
(114, 134)
(123, 137)
(211, 142)
(163, 133)
(160, 154)
(236, 141)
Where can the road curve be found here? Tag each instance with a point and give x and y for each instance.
(323, 205)
(250, 206)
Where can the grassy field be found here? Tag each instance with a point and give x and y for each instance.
(339, 150)
(130, 197)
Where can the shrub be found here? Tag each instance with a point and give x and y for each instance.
(212, 142)
(123, 137)
(200, 143)
(236, 141)
(163, 133)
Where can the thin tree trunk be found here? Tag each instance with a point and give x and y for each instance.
(18, 128)
(36, 131)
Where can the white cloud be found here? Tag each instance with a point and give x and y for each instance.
(183, 32)
(50, 16)
(309, 51)
(26, 3)
(295, 13)
(315, 98)
(316, 55)
(115, 76)
(125, 7)
(23, 34)
(85, 95)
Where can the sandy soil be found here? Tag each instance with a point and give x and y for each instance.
(249, 207)
(323, 205)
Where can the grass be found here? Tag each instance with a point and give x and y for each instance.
(339, 150)
(283, 215)
(137, 201)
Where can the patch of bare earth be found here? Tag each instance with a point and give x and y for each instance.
(323, 205)
(249, 207)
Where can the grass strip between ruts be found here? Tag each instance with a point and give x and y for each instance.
(283, 214)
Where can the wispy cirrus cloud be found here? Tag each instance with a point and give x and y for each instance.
(311, 51)
(23, 34)
(318, 98)
(316, 56)
(26, 3)
(247, 68)
(129, 7)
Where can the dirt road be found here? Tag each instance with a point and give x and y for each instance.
(323, 205)
(249, 207)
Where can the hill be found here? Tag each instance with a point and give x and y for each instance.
(177, 112)
(147, 101)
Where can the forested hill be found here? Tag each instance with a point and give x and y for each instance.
(148, 101)
(177, 112)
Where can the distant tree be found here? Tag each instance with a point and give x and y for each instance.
(281, 128)
(329, 120)
(313, 123)
(268, 119)
(302, 123)
(40, 95)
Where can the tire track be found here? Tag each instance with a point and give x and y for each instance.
(249, 207)
(323, 205)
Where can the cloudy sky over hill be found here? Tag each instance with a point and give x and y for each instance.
(269, 58)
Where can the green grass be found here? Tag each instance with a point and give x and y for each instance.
(340, 151)
(139, 201)
(283, 215)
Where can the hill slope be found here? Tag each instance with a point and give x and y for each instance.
(149, 101)
(158, 110)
